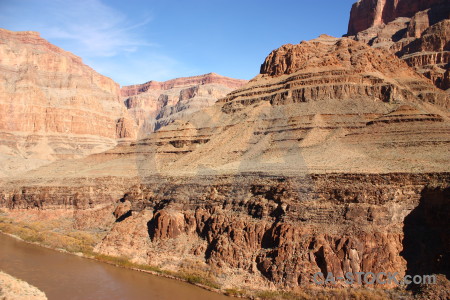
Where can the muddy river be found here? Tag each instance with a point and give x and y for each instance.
(65, 276)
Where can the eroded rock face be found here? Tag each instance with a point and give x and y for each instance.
(369, 13)
(52, 106)
(156, 104)
(416, 31)
(264, 230)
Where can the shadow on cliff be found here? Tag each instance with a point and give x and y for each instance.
(426, 243)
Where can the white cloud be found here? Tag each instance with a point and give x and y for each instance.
(95, 28)
(134, 69)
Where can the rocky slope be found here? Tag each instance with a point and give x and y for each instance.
(416, 31)
(14, 289)
(156, 104)
(52, 106)
(334, 158)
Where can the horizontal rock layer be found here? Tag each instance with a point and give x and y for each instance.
(334, 158)
(47, 92)
(156, 104)
(258, 229)
(368, 13)
(210, 78)
(418, 33)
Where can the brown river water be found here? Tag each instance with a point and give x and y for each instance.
(65, 276)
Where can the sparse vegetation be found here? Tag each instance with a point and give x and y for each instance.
(189, 276)
(328, 294)
(37, 232)
(269, 295)
(235, 292)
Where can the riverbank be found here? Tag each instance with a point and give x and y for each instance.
(81, 243)
(12, 288)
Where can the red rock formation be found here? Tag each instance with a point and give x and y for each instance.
(324, 162)
(51, 104)
(155, 104)
(416, 31)
(369, 13)
(333, 159)
(231, 83)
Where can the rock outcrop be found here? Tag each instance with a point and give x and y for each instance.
(416, 31)
(156, 104)
(52, 106)
(370, 13)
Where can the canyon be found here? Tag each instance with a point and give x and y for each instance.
(335, 158)
(54, 107)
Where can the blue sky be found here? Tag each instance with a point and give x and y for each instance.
(135, 41)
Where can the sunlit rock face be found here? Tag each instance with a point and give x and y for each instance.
(156, 104)
(52, 106)
(416, 31)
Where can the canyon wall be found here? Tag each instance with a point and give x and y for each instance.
(52, 106)
(156, 104)
(258, 231)
(416, 31)
(368, 13)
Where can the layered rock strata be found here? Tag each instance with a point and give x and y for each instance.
(156, 104)
(52, 106)
(256, 231)
(370, 13)
(416, 31)
(333, 159)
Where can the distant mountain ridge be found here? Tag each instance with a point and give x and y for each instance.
(210, 78)
(155, 104)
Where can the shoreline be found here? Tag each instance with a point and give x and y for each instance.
(15, 288)
(91, 257)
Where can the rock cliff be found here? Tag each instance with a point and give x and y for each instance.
(52, 106)
(156, 104)
(416, 31)
(369, 13)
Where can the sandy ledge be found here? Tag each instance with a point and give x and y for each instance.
(13, 288)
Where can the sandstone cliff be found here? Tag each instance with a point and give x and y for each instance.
(369, 13)
(416, 31)
(156, 104)
(52, 106)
